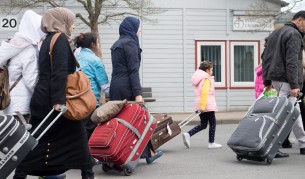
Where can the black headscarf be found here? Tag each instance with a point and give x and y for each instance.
(129, 27)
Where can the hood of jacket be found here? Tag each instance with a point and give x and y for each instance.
(259, 70)
(198, 76)
(13, 47)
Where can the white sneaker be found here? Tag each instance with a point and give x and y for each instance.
(214, 145)
(186, 139)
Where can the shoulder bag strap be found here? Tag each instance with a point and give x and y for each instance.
(53, 40)
(16, 82)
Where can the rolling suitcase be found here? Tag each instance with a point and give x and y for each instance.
(16, 142)
(119, 143)
(168, 129)
(264, 128)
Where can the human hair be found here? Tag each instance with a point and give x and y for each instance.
(299, 14)
(205, 65)
(85, 40)
(267, 83)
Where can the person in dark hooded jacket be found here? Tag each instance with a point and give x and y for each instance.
(125, 80)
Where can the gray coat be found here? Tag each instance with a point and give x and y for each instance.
(282, 57)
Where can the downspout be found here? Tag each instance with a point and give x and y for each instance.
(227, 56)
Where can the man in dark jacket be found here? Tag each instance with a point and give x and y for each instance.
(282, 64)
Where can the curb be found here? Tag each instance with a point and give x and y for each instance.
(218, 122)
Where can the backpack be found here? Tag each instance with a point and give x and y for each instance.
(5, 89)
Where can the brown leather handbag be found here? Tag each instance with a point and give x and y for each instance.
(80, 99)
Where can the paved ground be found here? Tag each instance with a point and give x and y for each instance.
(199, 162)
(232, 117)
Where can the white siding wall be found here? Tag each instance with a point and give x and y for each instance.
(168, 58)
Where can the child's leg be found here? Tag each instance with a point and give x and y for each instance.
(203, 124)
(212, 129)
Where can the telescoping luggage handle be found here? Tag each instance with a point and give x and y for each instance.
(63, 109)
(189, 118)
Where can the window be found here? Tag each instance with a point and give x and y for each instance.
(244, 58)
(213, 51)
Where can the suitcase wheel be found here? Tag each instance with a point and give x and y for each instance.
(106, 168)
(127, 172)
(269, 160)
(239, 158)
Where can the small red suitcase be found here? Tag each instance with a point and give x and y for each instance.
(119, 143)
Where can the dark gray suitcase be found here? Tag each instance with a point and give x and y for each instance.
(264, 128)
(16, 142)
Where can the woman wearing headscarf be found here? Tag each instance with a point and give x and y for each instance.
(21, 55)
(64, 145)
(125, 80)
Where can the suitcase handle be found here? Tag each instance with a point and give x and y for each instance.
(189, 118)
(63, 109)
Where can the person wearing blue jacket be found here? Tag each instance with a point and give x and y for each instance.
(125, 81)
(94, 68)
(91, 64)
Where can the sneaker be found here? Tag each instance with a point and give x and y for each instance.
(153, 158)
(186, 139)
(214, 145)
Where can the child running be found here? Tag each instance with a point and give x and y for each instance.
(203, 81)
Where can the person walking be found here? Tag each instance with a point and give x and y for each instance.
(125, 81)
(282, 64)
(20, 54)
(205, 102)
(93, 67)
(259, 82)
(64, 146)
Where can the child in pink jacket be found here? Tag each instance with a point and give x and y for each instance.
(259, 86)
(203, 81)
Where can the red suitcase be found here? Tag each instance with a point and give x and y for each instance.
(119, 143)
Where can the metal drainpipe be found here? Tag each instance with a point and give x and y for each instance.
(228, 79)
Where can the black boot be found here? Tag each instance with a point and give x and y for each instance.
(280, 154)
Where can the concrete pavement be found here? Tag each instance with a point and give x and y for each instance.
(199, 162)
(227, 117)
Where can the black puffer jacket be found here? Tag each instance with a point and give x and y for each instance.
(125, 78)
(282, 57)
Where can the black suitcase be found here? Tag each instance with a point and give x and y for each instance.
(16, 142)
(264, 128)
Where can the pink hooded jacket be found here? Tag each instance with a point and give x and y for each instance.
(259, 82)
(197, 81)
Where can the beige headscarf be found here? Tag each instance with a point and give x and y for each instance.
(58, 19)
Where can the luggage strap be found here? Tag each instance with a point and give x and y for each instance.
(128, 125)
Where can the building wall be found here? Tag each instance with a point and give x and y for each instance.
(169, 55)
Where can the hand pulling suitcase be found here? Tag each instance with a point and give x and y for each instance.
(264, 128)
(16, 142)
(168, 129)
(119, 143)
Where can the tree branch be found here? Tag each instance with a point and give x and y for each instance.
(83, 19)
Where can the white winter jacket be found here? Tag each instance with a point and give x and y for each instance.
(23, 54)
(23, 61)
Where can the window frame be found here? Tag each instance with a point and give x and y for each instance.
(222, 44)
(255, 44)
